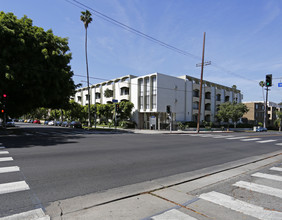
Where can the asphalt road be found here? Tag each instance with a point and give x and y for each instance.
(60, 163)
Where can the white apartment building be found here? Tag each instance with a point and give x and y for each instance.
(152, 93)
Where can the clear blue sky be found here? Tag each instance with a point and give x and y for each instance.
(243, 38)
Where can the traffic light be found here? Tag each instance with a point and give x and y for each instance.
(2, 110)
(117, 107)
(168, 109)
(268, 80)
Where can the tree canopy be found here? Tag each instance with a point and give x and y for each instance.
(233, 111)
(34, 66)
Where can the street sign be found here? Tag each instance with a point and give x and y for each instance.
(279, 84)
(114, 100)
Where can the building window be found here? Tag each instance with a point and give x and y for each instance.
(195, 105)
(257, 106)
(124, 91)
(141, 101)
(208, 106)
(196, 93)
(79, 98)
(87, 96)
(207, 95)
(195, 117)
(97, 95)
(154, 90)
(147, 99)
(218, 97)
(208, 118)
(226, 99)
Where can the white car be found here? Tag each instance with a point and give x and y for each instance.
(51, 123)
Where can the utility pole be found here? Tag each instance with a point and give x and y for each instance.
(201, 82)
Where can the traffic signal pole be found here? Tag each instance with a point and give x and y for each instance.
(266, 109)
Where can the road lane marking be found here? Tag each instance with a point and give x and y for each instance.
(29, 215)
(276, 169)
(279, 144)
(234, 138)
(251, 139)
(260, 188)
(266, 141)
(9, 169)
(241, 206)
(4, 152)
(268, 176)
(5, 159)
(13, 187)
(2, 147)
(173, 214)
(223, 136)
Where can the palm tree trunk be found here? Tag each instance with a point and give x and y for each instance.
(88, 97)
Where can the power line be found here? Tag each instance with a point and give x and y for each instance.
(150, 38)
(130, 29)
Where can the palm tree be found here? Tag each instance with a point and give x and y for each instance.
(85, 17)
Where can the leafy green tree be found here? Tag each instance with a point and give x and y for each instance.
(126, 109)
(224, 112)
(233, 111)
(237, 111)
(108, 93)
(85, 17)
(74, 111)
(34, 66)
(55, 114)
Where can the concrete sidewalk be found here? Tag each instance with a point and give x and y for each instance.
(148, 199)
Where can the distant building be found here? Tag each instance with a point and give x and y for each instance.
(152, 93)
(256, 112)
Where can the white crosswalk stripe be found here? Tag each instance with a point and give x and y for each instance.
(2, 159)
(268, 176)
(279, 144)
(259, 188)
(222, 136)
(241, 206)
(235, 138)
(173, 214)
(36, 214)
(9, 169)
(276, 169)
(4, 152)
(13, 187)
(251, 139)
(266, 141)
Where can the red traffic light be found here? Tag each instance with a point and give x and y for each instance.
(4, 95)
(2, 111)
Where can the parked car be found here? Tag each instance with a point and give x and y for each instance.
(75, 124)
(36, 121)
(58, 123)
(10, 123)
(65, 124)
(260, 129)
(51, 123)
(45, 122)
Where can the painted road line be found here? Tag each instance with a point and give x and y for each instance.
(29, 215)
(13, 187)
(223, 136)
(2, 159)
(251, 139)
(9, 169)
(268, 176)
(2, 147)
(260, 188)
(4, 152)
(266, 141)
(276, 169)
(234, 138)
(241, 206)
(173, 214)
(279, 144)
